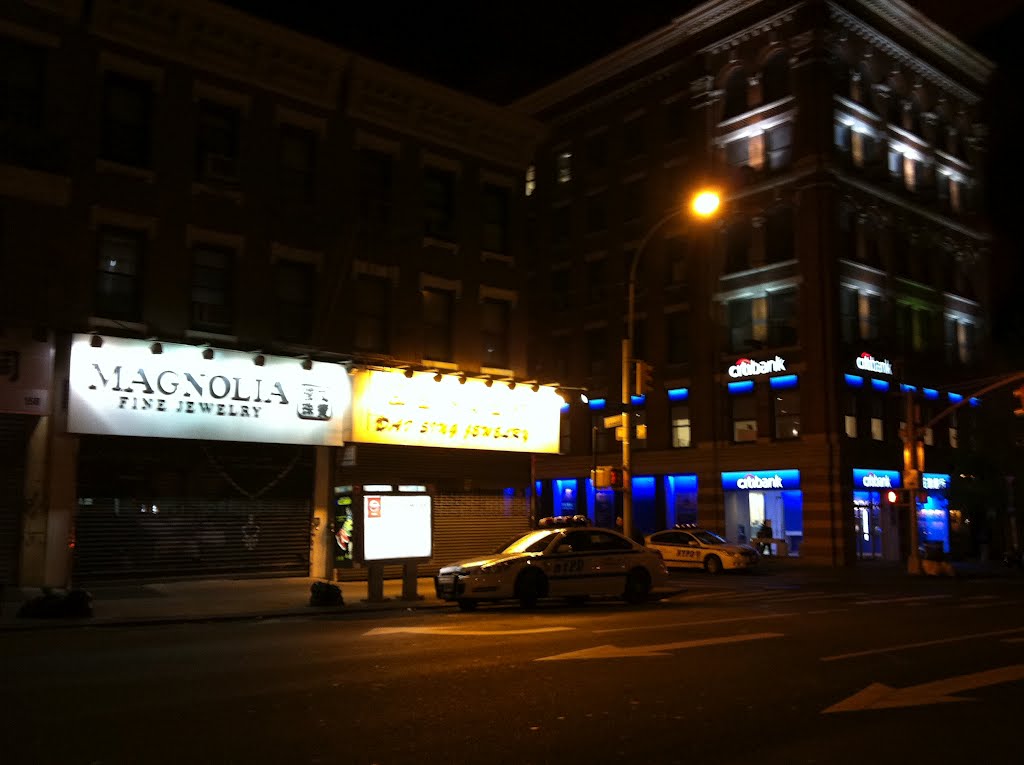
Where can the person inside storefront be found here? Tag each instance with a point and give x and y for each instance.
(764, 536)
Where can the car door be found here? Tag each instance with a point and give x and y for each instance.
(567, 565)
(610, 559)
(673, 546)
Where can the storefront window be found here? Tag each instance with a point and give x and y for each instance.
(681, 433)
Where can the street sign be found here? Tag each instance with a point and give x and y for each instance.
(613, 421)
(620, 433)
(641, 431)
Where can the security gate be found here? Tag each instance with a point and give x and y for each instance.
(167, 538)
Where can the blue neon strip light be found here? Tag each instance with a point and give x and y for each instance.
(637, 400)
(782, 383)
(930, 393)
(854, 380)
(746, 386)
(975, 401)
(597, 403)
(879, 384)
(565, 407)
(678, 394)
(956, 398)
(907, 388)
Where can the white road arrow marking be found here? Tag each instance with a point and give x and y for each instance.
(879, 696)
(450, 631)
(662, 649)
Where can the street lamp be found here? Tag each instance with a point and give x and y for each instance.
(704, 205)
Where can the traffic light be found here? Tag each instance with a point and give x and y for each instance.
(899, 497)
(600, 477)
(644, 378)
(1019, 393)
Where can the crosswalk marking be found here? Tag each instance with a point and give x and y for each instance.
(908, 600)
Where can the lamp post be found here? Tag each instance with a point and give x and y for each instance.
(703, 205)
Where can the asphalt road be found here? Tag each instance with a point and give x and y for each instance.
(734, 670)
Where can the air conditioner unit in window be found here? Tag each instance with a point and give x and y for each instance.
(219, 167)
(746, 434)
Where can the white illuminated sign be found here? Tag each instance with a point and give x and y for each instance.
(750, 368)
(760, 482)
(396, 527)
(390, 408)
(869, 363)
(872, 481)
(122, 388)
(933, 483)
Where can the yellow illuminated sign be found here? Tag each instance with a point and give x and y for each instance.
(390, 408)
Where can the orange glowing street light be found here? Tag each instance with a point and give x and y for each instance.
(705, 203)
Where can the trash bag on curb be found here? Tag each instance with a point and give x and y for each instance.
(73, 604)
(325, 594)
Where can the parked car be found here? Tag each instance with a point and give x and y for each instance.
(563, 559)
(691, 547)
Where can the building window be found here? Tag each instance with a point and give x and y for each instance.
(910, 173)
(633, 137)
(782, 318)
(439, 204)
(495, 219)
(959, 341)
(682, 436)
(217, 144)
(787, 414)
(560, 289)
(212, 278)
(775, 79)
(675, 119)
(494, 331)
(565, 432)
(850, 416)
(596, 282)
(744, 418)
(735, 94)
(677, 259)
(530, 181)
(294, 283)
(869, 313)
(597, 351)
(563, 167)
(119, 274)
(127, 128)
(597, 214)
(877, 418)
(372, 314)
(779, 146)
(848, 298)
(954, 440)
(741, 325)
(438, 316)
(560, 220)
(597, 150)
(376, 190)
(779, 235)
(678, 333)
(633, 200)
(22, 86)
(298, 159)
(737, 247)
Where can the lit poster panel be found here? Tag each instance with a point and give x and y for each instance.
(122, 388)
(390, 408)
(26, 374)
(397, 527)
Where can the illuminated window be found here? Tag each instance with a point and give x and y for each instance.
(786, 411)
(877, 418)
(212, 277)
(868, 315)
(858, 148)
(910, 173)
(779, 146)
(531, 180)
(755, 150)
(682, 436)
(850, 416)
(563, 167)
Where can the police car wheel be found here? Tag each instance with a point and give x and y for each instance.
(713, 564)
(638, 586)
(467, 605)
(530, 587)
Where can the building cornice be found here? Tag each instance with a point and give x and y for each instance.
(221, 40)
(858, 26)
(382, 95)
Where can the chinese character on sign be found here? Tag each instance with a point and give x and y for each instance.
(314, 403)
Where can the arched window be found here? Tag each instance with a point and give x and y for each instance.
(735, 94)
(775, 80)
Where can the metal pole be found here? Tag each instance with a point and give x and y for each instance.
(911, 468)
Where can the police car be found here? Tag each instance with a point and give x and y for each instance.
(691, 547)
(565, 558)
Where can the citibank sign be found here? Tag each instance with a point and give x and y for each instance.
(869, 363)
(751, 368)
(876, 479)
(742, 480)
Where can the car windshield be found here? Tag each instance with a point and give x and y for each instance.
(535, 541)
(708, 538)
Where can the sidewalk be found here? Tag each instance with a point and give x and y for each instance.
(213, 600)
